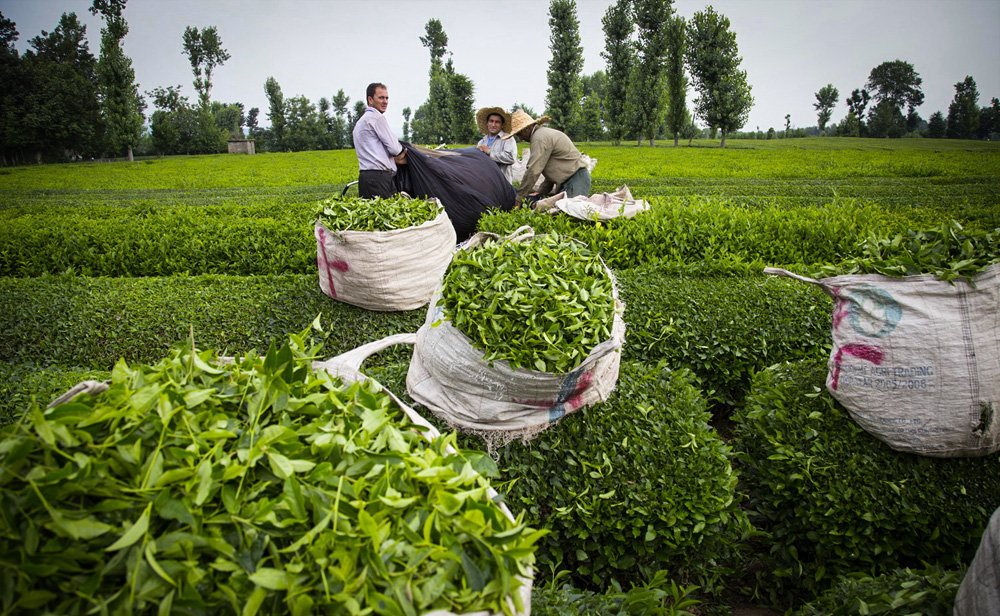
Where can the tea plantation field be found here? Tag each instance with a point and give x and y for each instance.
(720, 475)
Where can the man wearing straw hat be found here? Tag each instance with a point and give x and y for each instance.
(553, 156)
(494, 125)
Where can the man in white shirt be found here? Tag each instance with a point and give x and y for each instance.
(494, 125)
(377, 148)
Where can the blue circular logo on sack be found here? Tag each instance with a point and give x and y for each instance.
(873, 312)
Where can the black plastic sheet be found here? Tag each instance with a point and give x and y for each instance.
(466, 181)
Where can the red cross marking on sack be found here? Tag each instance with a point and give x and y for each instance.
(866, 352)
(569, 398)
(323, 262)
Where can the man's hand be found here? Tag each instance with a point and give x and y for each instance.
(484, 149)
(400, 158)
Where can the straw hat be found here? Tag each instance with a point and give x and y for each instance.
(483, 116)
(520, 120)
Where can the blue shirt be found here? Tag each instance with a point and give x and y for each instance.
(503, 152)
(374, 142)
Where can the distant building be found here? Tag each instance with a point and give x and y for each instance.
(242, 146)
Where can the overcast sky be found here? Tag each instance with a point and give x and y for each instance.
(790, 48)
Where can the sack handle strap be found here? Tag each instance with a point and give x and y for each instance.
(521, 234)
(83, 387)
(777, 271)
(348, 365)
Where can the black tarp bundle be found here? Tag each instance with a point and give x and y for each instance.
(466, 181)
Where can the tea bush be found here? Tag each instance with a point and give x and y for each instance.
(833, 500)
(158, 240)
(275, 198)
(937, 192)
(91, 322)
(696, 229)
(269, 237)
(722, 328)
(21, 383)
(660, 597)
(210, 172)
(629, 487)
(928, 592)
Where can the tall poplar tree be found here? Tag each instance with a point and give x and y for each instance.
(592, 107)
(826, 100)
(856, 105)
(326, 122)
(677, 114)
(963, 112)
(565, 91)
(407, 113)
(121, 104)
(251, 122)
(447, 115)
(342, 128)
(205, 52)
(276, 114)
(724, 99)
(648, 89)
(619, 53)
(431, 122)
(461, 115)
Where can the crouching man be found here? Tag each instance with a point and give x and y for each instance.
(553, 156)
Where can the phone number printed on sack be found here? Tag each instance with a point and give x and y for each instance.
(887, 378)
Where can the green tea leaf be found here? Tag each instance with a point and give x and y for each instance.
(271, 579)
(134, 533)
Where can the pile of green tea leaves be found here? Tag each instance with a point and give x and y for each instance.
(949, 252)
(258, 486)
(542, 304)
(377, 214)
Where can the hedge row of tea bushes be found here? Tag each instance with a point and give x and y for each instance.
(14, 202)
(185, 173)
(21, 383)
(929, 592)
(267, 238)
(924, 192)
(159, 240)
(834, 501)
(91, 322)
(723, 328)
(799, 160)
(703, 229)
(942, 192)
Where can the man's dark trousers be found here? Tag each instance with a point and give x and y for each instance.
(376, 184)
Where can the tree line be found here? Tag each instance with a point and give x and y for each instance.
(896, 84)
(650, 52)
(62, 102)
(59, 101)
